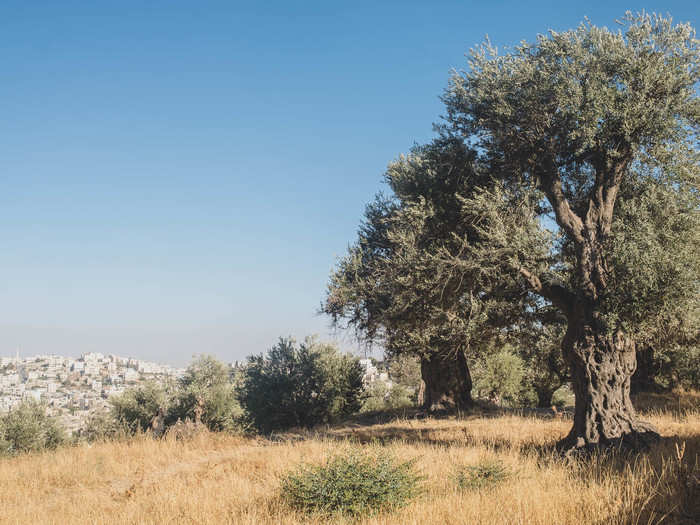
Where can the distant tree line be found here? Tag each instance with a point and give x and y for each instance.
(292, 385)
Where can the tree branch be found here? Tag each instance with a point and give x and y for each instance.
(566, 217)
(601, 202)
(556, 293)
(550, 181)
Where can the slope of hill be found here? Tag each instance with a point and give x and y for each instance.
(218, 478)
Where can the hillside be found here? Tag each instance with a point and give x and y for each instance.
(218, 478)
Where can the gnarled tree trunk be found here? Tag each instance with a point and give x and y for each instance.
(644, 378)
(544, 397)
(602, 365)
(447, 383)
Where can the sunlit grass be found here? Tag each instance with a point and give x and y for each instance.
(217, 478)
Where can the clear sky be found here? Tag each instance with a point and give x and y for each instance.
(179, 177)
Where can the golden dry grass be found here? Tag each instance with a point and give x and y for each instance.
(224, 479)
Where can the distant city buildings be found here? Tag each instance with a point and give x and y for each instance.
(74, 388)
(372, 373)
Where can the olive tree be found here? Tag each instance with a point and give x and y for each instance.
(299, 385)
(567, 126)
(27, 428)
(206, 393)
(390, 287)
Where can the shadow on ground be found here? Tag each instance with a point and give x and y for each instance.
(668, 486)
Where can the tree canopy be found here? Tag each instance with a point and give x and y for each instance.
(299, 385)
(565, 176)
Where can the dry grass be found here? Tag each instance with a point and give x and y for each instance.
(223, 479)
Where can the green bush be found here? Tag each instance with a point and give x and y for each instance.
(500, 376)
(205, 392)
(374, 397)
(405, 375)
(378, 396)
(299, 385)
(103, 426)
(405, 370)
(352, 483)
(27, 428)
(207, 386)
(485, 474)
(688, 368)
(136, 407)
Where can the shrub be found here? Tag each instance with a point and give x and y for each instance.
(500, 376)
(136, 407)
(207, 386)
(402, 392)
(379, 396)
(103, 426)
(299, 385)
(374, 397)
(688, 368)
(27, 428)
(352, 483)
(482, 475)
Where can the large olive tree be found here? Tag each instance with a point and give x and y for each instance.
(392, 289)
(564, 125)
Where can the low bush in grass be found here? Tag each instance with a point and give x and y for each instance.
(27, 428)
(355, 482)
(485, 474)
(103, 426)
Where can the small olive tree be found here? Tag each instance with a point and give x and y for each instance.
(27, 428)
(299, 385)
(207, 393)
(137, 406)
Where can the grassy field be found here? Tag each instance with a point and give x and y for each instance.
(216, 478)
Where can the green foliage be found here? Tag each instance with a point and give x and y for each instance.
(655, 270)
(400, 397)
(299, 385)
(27, 428)
(207, 386)
(565, 177)
(405, 377)
(374, 398)
(206, 391)
(563, 397)
(500, 375)
(136, 407)
(597, 131)
(393, 286)
(483, 475)
(354, 483)
(379, 396)
(404, 370)
(103, 426)
(688, 368)
(539, 346)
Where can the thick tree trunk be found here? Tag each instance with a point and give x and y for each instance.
(447, 383)
(601, 368)
(544, 398)
(644, 378)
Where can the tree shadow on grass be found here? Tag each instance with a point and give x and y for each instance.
(663, 480)
(661, 484)
(458, 435)
(481, 410)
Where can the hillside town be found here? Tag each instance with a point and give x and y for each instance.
(74, 388)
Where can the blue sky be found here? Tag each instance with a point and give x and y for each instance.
(180, 177)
